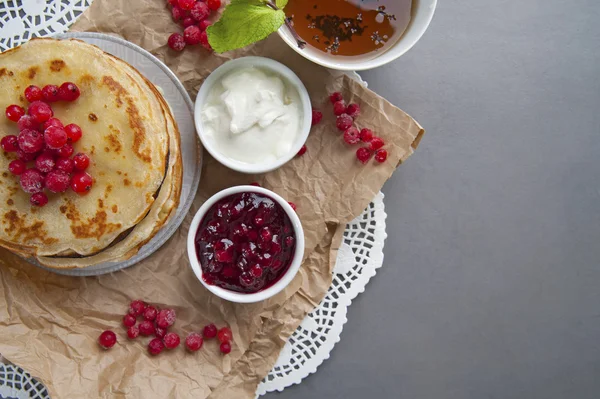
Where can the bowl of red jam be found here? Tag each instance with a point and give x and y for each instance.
(245, 244)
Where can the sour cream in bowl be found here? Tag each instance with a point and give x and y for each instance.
(253, 114)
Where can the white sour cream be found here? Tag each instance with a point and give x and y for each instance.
(252, 116)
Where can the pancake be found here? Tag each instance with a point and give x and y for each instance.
(131, 138)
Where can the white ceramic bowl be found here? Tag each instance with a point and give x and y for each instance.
(288, 76)
(422, 13)
(282, 282)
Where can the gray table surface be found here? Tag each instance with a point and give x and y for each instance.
(491, 282)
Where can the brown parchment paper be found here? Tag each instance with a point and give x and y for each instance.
(49, 324)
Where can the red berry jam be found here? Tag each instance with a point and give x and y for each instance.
(241, 243)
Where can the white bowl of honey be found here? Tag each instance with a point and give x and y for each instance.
(354, 35)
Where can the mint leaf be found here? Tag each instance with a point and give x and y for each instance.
(244, 22)
(281, 3)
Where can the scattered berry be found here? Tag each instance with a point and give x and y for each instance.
(317, 116)
(17, 167)
(204, 41)
(129, 320)
(302, 151)
(363, 154)
(14, 112)
(176, 41)
(177, 13)
(214, 4)
(165, 318)
(65, 151)
(146, 328)
(65, 164)
(40, 111)
(27, 122)
(188, 21)
(172, 340)
(38, 199)
(107, 339)
(137, 307)
(352, 135)
(51, 93)
(55, 137)
(199, 11)
(376, 143)
(52, 122)
(209, 331)
(81, 161)
(160, 332)
(73, 133)
(191, 34)
(186, 4)
(9, 143)
(294, 207)
(81, 182)
(45, 163)
(343, 122)
(353, 110)
(133, 332)
(150, 313)
(204, 24)
(381, 155)
(224, 334)
(193, 342)
(68, 91)
(156, 346)
(339, 108)
(225, 348)
(57, 181)
(335, 97)
(33, 93)
(366, 135)
(30, 141)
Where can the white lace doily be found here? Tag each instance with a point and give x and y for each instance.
(360, 255)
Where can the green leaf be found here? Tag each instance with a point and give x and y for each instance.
(244, 22)
(281, 3)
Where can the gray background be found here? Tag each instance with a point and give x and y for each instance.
(491, 282)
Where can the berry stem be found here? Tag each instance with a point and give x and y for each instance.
(288, 23)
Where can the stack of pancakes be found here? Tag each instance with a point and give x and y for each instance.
(131, 138)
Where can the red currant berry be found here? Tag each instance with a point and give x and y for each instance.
(45, 162)
(55, 137)
(25, 156)
(65, 164)
(38, 199)
(32, 181)
(65, 151)
(294, 207)
(165, 318)
(40, 111)
(214, 4)
(160, 332)
(176, 42)
(203, 25)
(57, 181)
(199, 11)
(339, 108)
(129, 320)
(30, 141)
(52, 122)
(209, 331)
(150, 313)
(146, 328)
(376, 143)
(381, 155)
(107, 339)
(352, 136)
(81, 161)
(177, 13)
(172, 340)
(256, 270)
(224, 334)
(14, 112)
(9, 143)
(191, 34)
(186, 4)
(366, 135)
(343, 122)
(137, 307)
(133, 332)
(188, 21)
(17, 167)
(353, 110)
(335, 97)
(33, 93)
(204, 41)
(69, 91)
(51, 93)
(156, 346)
(363, 154)
(82, 182)
(225, 348)
(302, 151)
(27, 122)
(317, 116)
(194, 342)
(73, 133)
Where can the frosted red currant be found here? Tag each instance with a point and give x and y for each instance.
(176, 42)
(339, 108)
(352, 136)
(177, 13)
(156, 346)
(214, 4)
(28, 122)
(146, 328)
(363, 154)
(30, 141)
(317, 116)
(209, 331)
(57, 181)
(186, 4)
(191, 34)
(55, 137)
(353, 110)
(165, 318)
(52, 122)
(381, 155)
(129, 320)
(33, 93)
(133, 332)
(366, 135)
(171, 340)
(199, 11)
(150, 313)
(194, 342)
(376, 143)
(335, 97)
(38, 199)
(65, 151)
(224, 334)
(343, 122)
(45, 162)
(137, 307)
(65, 164)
